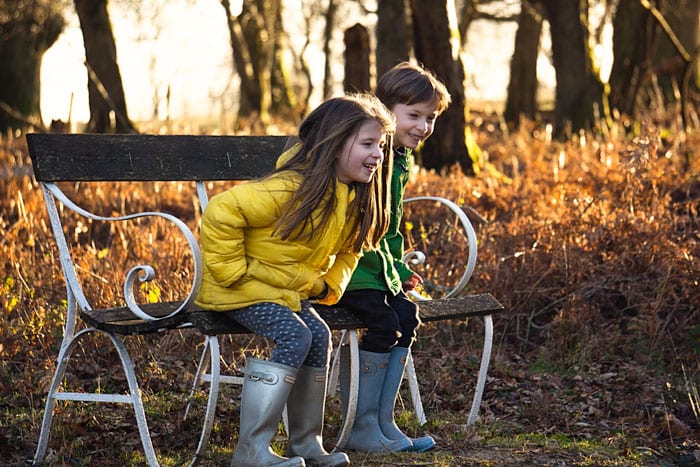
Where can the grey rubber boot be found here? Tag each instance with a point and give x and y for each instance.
(266, 387)
(366, 435)
(387, 400)
(305, 409)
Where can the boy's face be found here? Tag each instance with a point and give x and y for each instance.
(414, 123)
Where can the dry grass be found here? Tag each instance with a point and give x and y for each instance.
(592, 245)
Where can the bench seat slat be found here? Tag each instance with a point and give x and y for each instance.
(459, 307)
(122, 321)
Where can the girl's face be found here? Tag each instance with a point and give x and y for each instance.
(362, 154)
(414, 123)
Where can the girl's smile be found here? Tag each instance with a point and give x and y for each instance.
(362, 154)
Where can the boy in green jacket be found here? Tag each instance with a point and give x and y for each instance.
(377, 289)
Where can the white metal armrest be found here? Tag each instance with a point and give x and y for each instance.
(141, 272)
(414, 258)
(76, 300)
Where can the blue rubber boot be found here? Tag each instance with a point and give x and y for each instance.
(387, 400)
(366, 435)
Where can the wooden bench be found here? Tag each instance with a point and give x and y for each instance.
(64, 160)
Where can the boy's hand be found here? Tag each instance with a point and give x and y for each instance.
(412, 282)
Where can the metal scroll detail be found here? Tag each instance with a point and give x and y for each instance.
(418, 257)
(141, 272)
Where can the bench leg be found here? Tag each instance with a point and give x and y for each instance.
(483, 369)
(348, 342)
(202, 368)
(211, 347)
(210, 360)
(334, 372)
(63, 355)
(133, 397)
(415, 390)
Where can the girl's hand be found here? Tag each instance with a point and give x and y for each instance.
(412, 282)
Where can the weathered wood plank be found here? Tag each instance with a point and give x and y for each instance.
(90, 157)
(459, 307)
(122, 320)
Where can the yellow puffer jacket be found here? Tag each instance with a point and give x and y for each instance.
(245, 264)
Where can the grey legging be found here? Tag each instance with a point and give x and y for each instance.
(301, 338)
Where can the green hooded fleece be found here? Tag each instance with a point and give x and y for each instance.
(382, 269)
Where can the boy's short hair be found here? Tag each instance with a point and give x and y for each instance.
(407, 83)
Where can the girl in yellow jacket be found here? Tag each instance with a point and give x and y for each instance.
(272, 246)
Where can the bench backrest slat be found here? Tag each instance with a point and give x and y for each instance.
(90, 157)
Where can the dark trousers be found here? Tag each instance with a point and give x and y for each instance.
(391, 320)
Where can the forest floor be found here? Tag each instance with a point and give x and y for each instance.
(592, 245)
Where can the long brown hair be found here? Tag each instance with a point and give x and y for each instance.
(323, 135)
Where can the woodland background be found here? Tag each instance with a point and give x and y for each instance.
(586, 211)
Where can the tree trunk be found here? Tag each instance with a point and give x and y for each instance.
(467, 13)
(283, 96)
(655, 49)
(249, 98)
(327, 36)
(522, 88)
(634, 32)
(307, 86)
(579, 90)
(357, 52)
(268, 10)
(689, 36)
(27, 29)
(254, 35)
(434, 28)
(672, 56)
(105, 89)
(393, 35)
